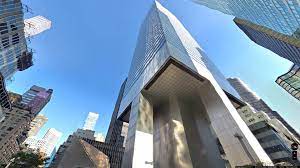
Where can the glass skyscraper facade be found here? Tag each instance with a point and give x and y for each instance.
(291, 81)
(174, 98)
(282, 16)
(13, 47)
(287, 47)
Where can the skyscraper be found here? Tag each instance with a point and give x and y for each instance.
(37, 123)
(36, 98)
(179, 105)
(290, 81)
(4, 97)
(283, 45)
(14, 54)
(279, 15)
(36, 25)
(49, 141)
(257, 103)
(90, 121)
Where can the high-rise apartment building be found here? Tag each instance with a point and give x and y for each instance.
(178, 105)
(14, 54)
(37, 123)
(36, 98)
(36, 25)
(13, 132)
(282, 16)
(257, 103)
(273, 136)
(291, 81)
(49, 141)
(91, 121)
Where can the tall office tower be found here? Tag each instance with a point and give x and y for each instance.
(37, 123)
(13, 132)
(90, 121)
(273, 136)
(117, 131)
(291, 81)
(36, 98)
(178, 104)
(14, 54)
(257, 103)
(49, 141)
(279, 15)
(36, 25)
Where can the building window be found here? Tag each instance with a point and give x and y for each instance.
(15, 39)
(3, 28)
(5, 42)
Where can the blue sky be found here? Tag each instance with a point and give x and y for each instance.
(87, 54)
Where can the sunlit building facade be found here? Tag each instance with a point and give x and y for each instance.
(172, 86)
(36, 25)
(49, 141)
(282, 16)
(38, 122)
(91, 121)
(291, 81)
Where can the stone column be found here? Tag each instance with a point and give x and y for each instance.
(139, 144)
(170, 145)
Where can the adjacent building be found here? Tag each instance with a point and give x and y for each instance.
(178, 105)
(13, 131)
(257, 103)
(291, 81)
(36, 25)
(4, 97)
(91, 121)
(49, 141)
(36, 125)
(273, 136)
(282, 16)
(76, 152)
(286, 46)
(36, 98)
(14, 54)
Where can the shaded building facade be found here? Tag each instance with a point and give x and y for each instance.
(290, 81)
(36, 98)
(257, 103)
(176, 106)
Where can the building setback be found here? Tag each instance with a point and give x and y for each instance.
(172, 86)
(258, 104)
(36, 25)
(279, 15)
(291, 81)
